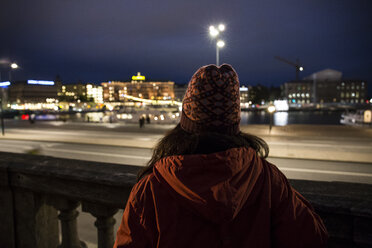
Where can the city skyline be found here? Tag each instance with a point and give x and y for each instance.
(97, 42)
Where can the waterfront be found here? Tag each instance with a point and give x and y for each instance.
(321, 117)
(292, 117)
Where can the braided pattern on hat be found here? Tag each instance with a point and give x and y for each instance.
(212, 101)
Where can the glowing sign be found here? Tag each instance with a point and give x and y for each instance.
(139, 77)
(39, 82)
(4, 84)
(152, 101)
(243, 88)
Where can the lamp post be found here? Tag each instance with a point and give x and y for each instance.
(271, 110)
(214, 32)
(13, 66)
(219, 45)
(2, 117)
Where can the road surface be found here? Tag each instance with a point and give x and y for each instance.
(293, 168)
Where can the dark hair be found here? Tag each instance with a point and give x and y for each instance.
(179, 142)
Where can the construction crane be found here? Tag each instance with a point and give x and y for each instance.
(296, 64)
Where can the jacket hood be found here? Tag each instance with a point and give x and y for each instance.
(215, 186)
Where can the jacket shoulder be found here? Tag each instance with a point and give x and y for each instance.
(142, 191)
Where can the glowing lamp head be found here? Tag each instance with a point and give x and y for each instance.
(221, 27)
(220, 43)
(14, 66)
(213, 31)
(271, 109)
(301, 68)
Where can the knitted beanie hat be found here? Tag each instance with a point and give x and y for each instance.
(212, 101)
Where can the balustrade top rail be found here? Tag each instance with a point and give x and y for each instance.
(109, 185)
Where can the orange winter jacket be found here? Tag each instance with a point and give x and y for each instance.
(232, 198)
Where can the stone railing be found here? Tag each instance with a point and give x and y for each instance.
(38, 192)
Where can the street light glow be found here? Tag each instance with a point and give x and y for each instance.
(213, 31)
(301, 68)
(40, 82)
(271, 109)
(4, 84)
(221, 27)
(14, 66)
(220, 43)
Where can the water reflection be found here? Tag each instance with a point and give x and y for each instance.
(292, 117)
(280, 118)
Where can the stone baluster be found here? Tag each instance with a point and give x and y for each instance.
(68, 217)
(104, 223)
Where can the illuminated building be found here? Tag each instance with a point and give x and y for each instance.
(32, 91)
(326, 86)
(244, 94)
(179, 91)
(117, 91)
(95, 92)
(4, 92)
(81, 92)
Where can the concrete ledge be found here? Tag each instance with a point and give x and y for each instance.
(346, 208)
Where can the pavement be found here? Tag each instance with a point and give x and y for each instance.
(320, 142)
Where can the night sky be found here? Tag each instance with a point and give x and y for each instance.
(97, 40)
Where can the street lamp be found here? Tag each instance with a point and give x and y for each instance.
(13, 66)
(271, 110)
(220, 44)
(214, 32)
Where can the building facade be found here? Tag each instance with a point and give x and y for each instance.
(117, 91)
(95, 92)
(32, 91)
(180, 91)
(81, 92)
(326, 86)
